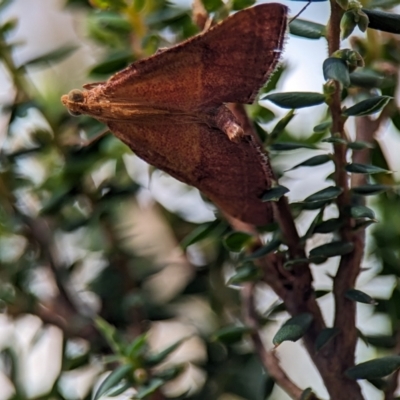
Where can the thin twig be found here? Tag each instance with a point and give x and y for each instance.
(268, 358)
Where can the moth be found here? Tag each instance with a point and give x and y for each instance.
(170, 108)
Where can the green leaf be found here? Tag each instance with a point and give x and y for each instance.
(295, 100)
(285, 146)
(348, 23)
(359, 145)
(50, 57)
(119, 389)
(8, 26)
(377, 368)
(382, 341)
(383, 21)
(361, 212)
(280, 126)
(248, 272)
(236, 241)
(359, 296)
(322, 127)
(4, 4)
(137, 346)
(334, 140)
(231, 334)
(369, 79)
(363, 224)
(356, 168)
(369, 190)
(336, 68)
(329, 193)
(273, 80)
(307, 394)
(145, 391)
(367, 107)
(158, 358)
(307, 29)
(293, 329)
(333, 249)
(201, 232)
(324, 337)
(263, 251)
(328, 226)
(240, 4)
(296, 261)
(112, 380)
(275, 193)
(110, 334)
(313, 161)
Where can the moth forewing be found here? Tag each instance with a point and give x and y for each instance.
(169, 108)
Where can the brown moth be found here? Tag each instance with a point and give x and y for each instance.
(169, 108)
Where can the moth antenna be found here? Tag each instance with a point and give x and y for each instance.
(300, 12)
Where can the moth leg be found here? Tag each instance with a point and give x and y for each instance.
(227, 123)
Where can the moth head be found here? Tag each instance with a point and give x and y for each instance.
(74, 101)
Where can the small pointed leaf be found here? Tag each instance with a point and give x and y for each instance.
(199, 233)
(293, 329)
(248, 272)
(280, 126)
(158, 358)
(263, 251)
(377, 368)
(307, 394)
(285, 146)
(145, 391)
(328, 226)
(291, 263)
(329, 193)
(231, 334)
(356, 168)
(313, 161)
(333, 249)
(137, 346)
(369, 79)
(359, 145)
(363, 224)
(359, 296)
(119, 389)
(112, 380)
(369, 190)
(383, 21)
(51, 57)
(361, 212)
(295, 100)
(306, 29)
(324, 337)
(336, 69)
(236, 241)
(275, 193)
(334, 140)
(367, 107)
(322, 127)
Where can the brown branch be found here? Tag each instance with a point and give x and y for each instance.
(268, 358)
(294, 287)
